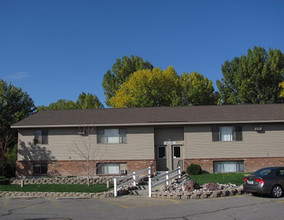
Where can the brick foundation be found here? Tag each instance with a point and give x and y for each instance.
(78, 167)
(250, 164)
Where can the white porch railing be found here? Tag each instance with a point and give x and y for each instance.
(136, 176)
(132, 178)
(167, 179)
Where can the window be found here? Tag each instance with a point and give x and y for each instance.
(40, 168)
(162, 152)
(228, 166)
(111, 168)
(41, 137)
(176, 151)
(111, 136)
(280, 172)
(227, 133)
(263, 172)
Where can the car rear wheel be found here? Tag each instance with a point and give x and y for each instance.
(276, 191)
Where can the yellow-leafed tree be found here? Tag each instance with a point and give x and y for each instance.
(148, 88)
(282, 91)
(154, 88)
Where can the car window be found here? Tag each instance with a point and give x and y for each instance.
(263, 172)
(280, 172)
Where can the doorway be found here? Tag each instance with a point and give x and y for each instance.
(176, 156)
(161, 158)
(169, 157)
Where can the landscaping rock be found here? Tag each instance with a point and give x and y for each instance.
(183, 188)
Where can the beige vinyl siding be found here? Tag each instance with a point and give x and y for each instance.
(199, 144)
(140, 145)
(62, 144)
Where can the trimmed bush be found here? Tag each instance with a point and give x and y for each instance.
(4, 181)
(194, 169)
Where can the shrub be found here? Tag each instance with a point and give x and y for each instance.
(194, 169)
(4, 181)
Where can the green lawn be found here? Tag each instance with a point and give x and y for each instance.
(223, 178)
(55, 188)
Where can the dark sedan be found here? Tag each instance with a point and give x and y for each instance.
(268, 180)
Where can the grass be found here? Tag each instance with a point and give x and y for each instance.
(222, 178)
(55, 188)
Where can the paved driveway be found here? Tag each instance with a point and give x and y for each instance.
(238, 207)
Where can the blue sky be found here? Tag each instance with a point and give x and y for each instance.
(58, 48)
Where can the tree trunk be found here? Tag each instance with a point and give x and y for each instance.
(88, 171)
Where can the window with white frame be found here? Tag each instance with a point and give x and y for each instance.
(111, 135)
(110, 168)
(226, 133)
(228, 166)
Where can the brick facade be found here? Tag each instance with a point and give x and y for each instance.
(78, 167)
(250, 164)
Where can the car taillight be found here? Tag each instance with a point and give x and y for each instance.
(245, 179)
(261, 181)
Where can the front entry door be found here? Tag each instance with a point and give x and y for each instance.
(161, 158)
(177, 156)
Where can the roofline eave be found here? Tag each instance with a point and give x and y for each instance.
(146, 124)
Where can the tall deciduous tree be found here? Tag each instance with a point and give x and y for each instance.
(88, 101)
(15, 105)
(148, 88)
(84, 101)
(60, 104)
(120, 72)
(252, 78)
(196, 90)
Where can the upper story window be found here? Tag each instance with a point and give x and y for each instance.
(227, 133)
(111, 135)
(41, 137)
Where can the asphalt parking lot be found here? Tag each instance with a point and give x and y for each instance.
(237, 207)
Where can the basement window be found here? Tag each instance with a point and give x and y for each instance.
(228, 166)
(39, 168)
(111, 168)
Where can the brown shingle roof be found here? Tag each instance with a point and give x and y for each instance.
(156, 115)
